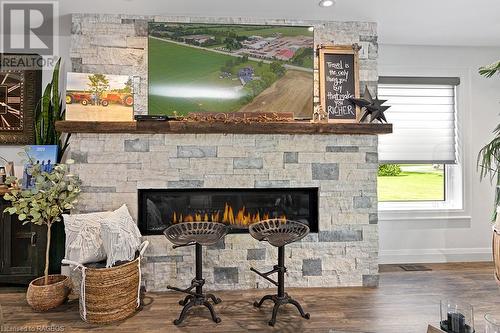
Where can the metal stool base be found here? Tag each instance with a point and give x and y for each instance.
(196, 300)
(279, 301)
(281, 297)
(197, 297)
(278, 232)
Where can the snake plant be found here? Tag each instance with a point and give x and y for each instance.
(48, 111)
(488, 160)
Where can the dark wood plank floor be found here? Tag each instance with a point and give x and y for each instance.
(405, 302)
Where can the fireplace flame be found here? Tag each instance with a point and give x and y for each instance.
(242, 217)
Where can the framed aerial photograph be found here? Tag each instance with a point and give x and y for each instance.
(99, 97)
(197, 68)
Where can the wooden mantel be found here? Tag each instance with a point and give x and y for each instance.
(194, 127)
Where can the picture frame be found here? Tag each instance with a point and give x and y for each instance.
(44, 156)
(99, 97)
(339, 81)
(213, 68)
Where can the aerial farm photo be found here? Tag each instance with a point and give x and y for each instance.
(245, 68)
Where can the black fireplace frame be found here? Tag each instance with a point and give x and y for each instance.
(142, 214)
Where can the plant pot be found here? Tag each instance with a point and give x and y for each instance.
(43, 297)
(496, 253)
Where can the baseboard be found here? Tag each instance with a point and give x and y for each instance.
(434, 255)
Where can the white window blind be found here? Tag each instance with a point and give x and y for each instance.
(423, 116)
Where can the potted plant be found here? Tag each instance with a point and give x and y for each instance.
(48, 111)
(489, 164)
(53, 193)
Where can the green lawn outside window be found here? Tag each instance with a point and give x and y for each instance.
(416, 182)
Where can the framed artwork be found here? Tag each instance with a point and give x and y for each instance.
(44, 156)
(99, 97)
(20, 92)
(227, 68)
(338, 82)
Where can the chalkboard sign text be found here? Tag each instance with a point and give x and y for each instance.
(339, 81)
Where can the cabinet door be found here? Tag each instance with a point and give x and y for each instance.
(19, 253)
(20, 248)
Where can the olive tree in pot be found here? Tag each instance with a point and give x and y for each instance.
(488, 162)
(54, 192)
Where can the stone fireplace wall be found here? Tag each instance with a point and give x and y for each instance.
(343, 167)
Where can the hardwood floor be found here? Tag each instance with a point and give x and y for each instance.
(405, 302)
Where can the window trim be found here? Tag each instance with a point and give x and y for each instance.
(438, 80)
(458, 176)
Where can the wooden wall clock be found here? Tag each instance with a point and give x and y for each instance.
(20, 92)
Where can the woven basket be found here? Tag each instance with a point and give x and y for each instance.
(43, 297)
(496, 253)
(110, 294)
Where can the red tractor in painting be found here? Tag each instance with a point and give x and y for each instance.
(117, 98)
(106, 98)
(78, 97)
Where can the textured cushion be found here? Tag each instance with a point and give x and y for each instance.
(83, 237)
(120, 236)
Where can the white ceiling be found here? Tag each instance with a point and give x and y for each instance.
(420, 22)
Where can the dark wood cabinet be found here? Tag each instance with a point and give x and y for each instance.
(22, 249)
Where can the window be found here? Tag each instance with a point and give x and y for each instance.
(419, 161)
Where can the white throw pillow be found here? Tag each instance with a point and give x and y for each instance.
(120, 236)
(83, 237)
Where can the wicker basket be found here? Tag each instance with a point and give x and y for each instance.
(43, 297)
(110, 294)
(496, 253)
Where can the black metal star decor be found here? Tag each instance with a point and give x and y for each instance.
(371, 106)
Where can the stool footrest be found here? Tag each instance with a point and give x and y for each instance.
(186, 291)
(182, 245)
(266, 275)
(194, 283)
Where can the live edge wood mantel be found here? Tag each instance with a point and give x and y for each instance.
(194, 127)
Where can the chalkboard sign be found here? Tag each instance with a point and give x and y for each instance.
(339, 81)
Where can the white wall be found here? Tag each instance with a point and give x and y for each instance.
(423, 22)
(448, 238)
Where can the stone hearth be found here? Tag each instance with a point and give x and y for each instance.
(344, 251)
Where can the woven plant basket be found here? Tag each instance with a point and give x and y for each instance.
(110, 294)
(43, 297)
(496, 253)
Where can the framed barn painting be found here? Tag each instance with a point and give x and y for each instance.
(99, 97)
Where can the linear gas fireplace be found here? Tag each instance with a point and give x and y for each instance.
(238, 208)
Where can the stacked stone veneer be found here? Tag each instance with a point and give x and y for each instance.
(343, 167)
(117, 44)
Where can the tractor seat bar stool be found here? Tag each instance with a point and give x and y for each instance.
(198, 234)
(278, 232)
